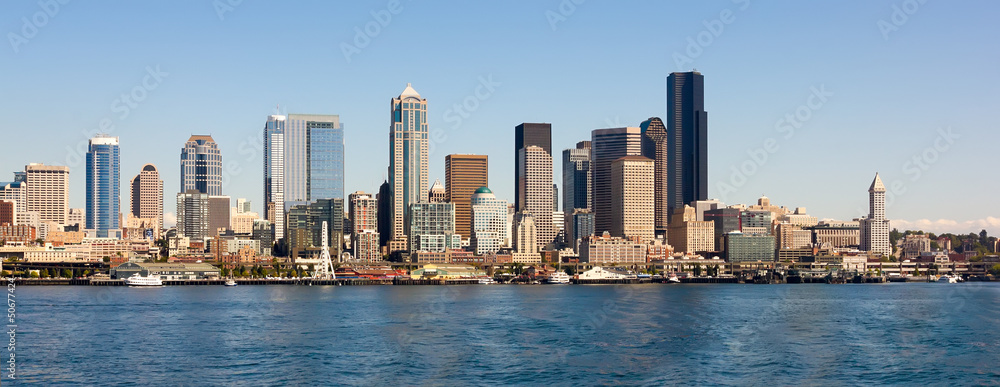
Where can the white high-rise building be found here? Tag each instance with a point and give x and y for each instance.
(408, 160)
(874, 229)
(536, 190)
(524, 233)
(632, 198)
(490, 222)
(274, 174)
(48, 192)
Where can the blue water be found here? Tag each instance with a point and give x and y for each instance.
(540, 335)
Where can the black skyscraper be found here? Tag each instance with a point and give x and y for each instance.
(384, 198)
(525, 135)
(687, 127)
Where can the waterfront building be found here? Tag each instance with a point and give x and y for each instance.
(689, 235)
(608, 145)
(366, 246)
(201, 165)
(305, 227)
(836, 234)
(633, 210)
(874, 229)
(491, 226)
(792, 236)
(408, 161)
(146, 193)
(364, 218)
(687, 125)
(607, 249)
(464, 174)
(47, 191)
(656, 147)
(525, 135)
(274, 174)
(749, 247)
(432, 227)
(535, 191)
(725, 221)
(525, 234)
(437, 193)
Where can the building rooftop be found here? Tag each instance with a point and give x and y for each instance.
(483, 190)
(409, 92)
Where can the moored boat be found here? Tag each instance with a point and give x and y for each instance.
(558, 278)
(138, 280)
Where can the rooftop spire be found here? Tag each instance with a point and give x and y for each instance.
(877, 185)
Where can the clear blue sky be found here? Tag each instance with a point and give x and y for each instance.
(603, 64)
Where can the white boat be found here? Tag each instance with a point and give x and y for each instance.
(230, 282)
(949, 279)
(558, 278)
(138, 280)
(486, 281)
(673, 279)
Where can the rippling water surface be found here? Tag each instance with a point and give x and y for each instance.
(476, 335)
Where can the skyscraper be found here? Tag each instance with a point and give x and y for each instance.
(47, 191)
(490, 224)
(437, 193)
(608, 145)
(525, 135)
(384, 199)
(464, 174)
(274, 174)
(632, 193)
(314, 157)
(874, 229)
(655, 147)
(103, 196)
(576, 186)
(687, 140)
(407, 156)
(535, 190)
(16, 192)
(525, 233)
(147, 195)
(193, 215)
(432, 227)
(363, 210)
(201, 165)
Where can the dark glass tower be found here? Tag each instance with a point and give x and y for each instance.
(525, 135)
(687, 140)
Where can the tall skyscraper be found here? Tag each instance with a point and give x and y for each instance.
(608, 145)
(535, 190)
(314, 157)
(47, 191)
(632, 208)
(16, 192)
(103, 196)
(525, 233)
(464, 174)
(384, 198)
(655, 146)
(576, 186)
(525, 135)
(407, 156)
(432, 227)
(363, 212)
(274, 174)
(874, 229)
(201, 165)
(193, 215)
(490, 223)
(687, 140)
(147, 195)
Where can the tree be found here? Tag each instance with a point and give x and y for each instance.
(86, 273)
(35, 274)
(984, 238)
(107, 259)
(41, 241)
(916, 270)
(225, 272)
(570, 270)
(697, 270)
(67, 273)
(995, 270)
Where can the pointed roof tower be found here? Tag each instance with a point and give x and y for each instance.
(877, 185)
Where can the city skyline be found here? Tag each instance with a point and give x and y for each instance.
(920, 152)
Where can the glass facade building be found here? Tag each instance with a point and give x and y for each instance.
(103, 188)
(201, 166)
(408, 159)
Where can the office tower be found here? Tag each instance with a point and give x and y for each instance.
(407, 156)
(755, 222)
(366, 247)
(875, 227)
(742, 247)
(274, 174)
(77, 217)
(437, 193)
(555, 197)
(201, 165)
(702, 206)
(193, 211)
(8, 212)
(147, 195)
(535, 188)
(579, 225)
(47, 191)
(608, 145)
(15, 192)
(243, 206)
(490, 224)
(689, 235)
(103, 186)
(576, 177)
(632, 192)
(432, 227)
(654, 146)
(384, 198)
(363, 211)
(525, 135)
(525, 234)
(305, 227)
(314, 157)
(218, 214)
(242, 223)
(464, 174)
(725, 221)
(262, 232)
(687, 125)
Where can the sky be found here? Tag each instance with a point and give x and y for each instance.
(806, 100)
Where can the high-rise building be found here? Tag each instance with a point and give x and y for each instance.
(755, 222)
(608, 145)
(219, 216)
(8, 212)
(581, 225)
(524, 234)
(535, 191)
(749, 248)
(875, 227)
(103, 187)
(201, 165)
(490, 224)
(193, 215)
(48, 191)
(654, 146)
(525, 135)
(632, 193)
(274, 174)
(576, 177)
(689, 235)
(407, 156)
(147, 195)
(384, 198)
(15, 192)
(305, 227)
(464, 174)
(725, 221)
(437, 193)
(366, 246)
(314, 157)
(687, 125)
(364, 214)
(432, 227)
(243, 206)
